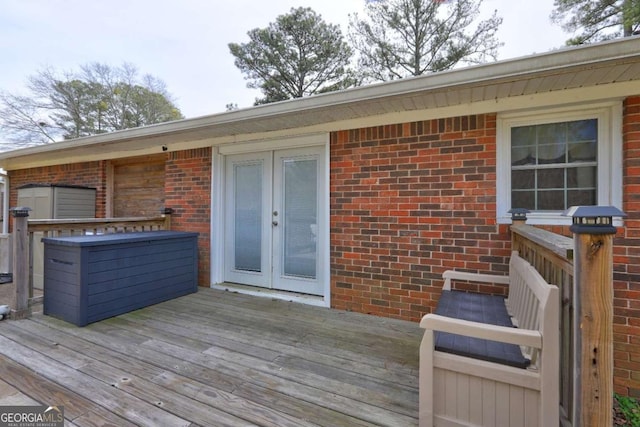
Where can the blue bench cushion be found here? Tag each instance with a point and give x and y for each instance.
(489, 309)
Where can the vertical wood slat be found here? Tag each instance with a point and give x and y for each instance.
(21, 262)
(30, 247)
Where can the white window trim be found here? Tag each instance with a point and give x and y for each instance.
(609, 116)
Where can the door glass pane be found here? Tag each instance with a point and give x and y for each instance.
(248, 216)
(300, 218)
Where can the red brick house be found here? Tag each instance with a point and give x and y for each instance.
(360, 199)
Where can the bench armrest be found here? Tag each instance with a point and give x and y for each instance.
(471, 277)
(523, 337)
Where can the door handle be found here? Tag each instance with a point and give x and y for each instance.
(274, 223)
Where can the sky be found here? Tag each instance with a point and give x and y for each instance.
(184, 42)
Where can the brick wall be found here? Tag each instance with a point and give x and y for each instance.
(412, 200)
(88, 174)
(188, 193)
(408, 202)
(626, 276)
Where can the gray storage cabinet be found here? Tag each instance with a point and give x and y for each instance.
(48, 201)
(90, 278)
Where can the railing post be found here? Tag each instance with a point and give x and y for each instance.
(21, 262)
(593, 307)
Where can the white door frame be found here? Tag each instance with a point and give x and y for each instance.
(218, 216)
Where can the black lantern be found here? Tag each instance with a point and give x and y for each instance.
(593, 219)
(519, 214)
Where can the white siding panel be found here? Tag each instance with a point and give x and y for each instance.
(628, 74)
(451, 394)
(504, 89)
(581, 78)
(516, 407)
(478, 94)
(463, 397)
(531, 412)
(489, 403)
(561, 82)
(502, 405)
(615, 72)
(518, 88)
(475, 400)
(439, 391)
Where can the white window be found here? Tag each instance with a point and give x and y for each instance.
(552, 160)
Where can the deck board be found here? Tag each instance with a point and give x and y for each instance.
(217, 358)
(82, 411)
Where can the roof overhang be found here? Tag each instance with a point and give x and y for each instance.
(592, 66)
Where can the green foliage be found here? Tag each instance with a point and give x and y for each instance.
(597, 20)
(297, 55)
(630, 410)
(96, 100)
(401, 38)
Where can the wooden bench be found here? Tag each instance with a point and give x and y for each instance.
(490, 361)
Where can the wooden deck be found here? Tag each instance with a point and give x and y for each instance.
(217, 358)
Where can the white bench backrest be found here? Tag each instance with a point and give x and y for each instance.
(528, 296)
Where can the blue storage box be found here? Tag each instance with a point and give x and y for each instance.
(90, 278)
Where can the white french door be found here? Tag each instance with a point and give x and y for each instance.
(272, 219)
